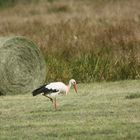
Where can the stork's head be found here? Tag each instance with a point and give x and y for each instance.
(73, 83)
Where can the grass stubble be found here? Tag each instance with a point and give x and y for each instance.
(98, 111)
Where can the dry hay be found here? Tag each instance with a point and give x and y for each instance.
(22, 66)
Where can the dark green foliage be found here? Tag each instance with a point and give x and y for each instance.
(10, 3)
(133, 96)
(6, 3)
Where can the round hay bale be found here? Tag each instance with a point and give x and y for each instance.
(22, 66)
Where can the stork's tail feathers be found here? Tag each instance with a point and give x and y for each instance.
(38, 90)
(35, 92)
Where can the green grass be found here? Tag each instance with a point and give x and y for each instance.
(133, 96)
(99, 111)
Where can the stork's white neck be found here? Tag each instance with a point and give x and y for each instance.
(68, 87)
(70, 83)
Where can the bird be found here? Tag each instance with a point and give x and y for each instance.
(52, 90)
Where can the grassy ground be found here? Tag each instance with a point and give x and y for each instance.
(99, 111)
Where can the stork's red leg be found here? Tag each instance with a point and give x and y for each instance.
(55, 104)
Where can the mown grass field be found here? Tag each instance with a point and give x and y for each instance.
(90, 41)
(100, 111)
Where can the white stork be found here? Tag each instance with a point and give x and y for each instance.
(54, 89)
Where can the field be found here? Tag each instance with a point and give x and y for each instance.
(95, 42)
(108, 111)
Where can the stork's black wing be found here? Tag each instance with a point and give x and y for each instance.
(43, 89)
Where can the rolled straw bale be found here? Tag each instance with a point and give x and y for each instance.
(22, 66)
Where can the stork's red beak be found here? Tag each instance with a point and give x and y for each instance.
(75, 87)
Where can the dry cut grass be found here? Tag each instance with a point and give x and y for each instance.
(98, 111)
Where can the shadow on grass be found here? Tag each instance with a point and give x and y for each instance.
(133, 96)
